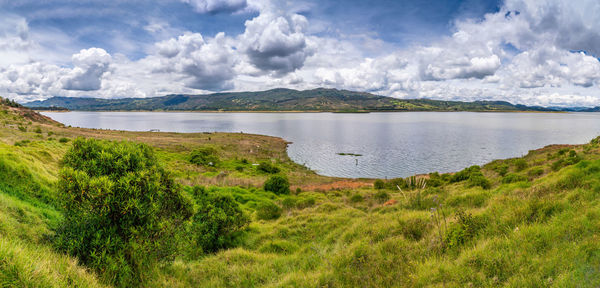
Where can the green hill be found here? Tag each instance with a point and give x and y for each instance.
(276, 100)
(524, 222)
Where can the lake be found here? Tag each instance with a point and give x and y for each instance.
(391, 144)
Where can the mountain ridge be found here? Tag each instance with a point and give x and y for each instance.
(276, 100)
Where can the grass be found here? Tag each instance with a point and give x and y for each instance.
(524, 222)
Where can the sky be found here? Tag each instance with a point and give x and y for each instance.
(533, 52)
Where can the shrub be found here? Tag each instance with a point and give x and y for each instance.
(205, 156)
(277, 184)
(289, 202)
(464, 174)
(520, 164)
(22, 143)
(38, 130)
(50, 133)
(356, 198)
(414, 228)
(512, 178)
(465, 229)
(22, 128)
(121, 209)
(381, 197)
(501, 169)
(538, 171)
(268, 168)
(63, 140)
(379, 184)
(479, 180)
(267, 210)
(218, 219)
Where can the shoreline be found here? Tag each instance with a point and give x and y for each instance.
(308, 111)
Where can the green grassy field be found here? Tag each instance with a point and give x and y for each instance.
(527, 222)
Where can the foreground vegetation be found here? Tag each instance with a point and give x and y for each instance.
(259, 220)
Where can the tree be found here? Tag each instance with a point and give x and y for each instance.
(121, 209)
(277, 184)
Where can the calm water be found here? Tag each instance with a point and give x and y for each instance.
(392, 144)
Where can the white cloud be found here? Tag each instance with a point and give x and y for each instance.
(90, 65)
(217, 6)
(276, 44)
(204, 64)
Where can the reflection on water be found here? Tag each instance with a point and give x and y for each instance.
(391, 144)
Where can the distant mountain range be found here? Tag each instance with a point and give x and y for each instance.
(320, 99)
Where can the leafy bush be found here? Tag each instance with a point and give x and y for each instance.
(205, 156)
(63, 140)
(381, 196)
(277, 184)
(268, 168)
(218, 219)
(474, 175)
(512, 178)
(379, 184)
(356, 198)
(538, 171)
(465, 229)
(267, 210)
(520, 164)
(22, 143)
(38, 130)
(465, 174)
(479, 180)
(289, 202)
(121, 209)
(22, 128)
(501, 169)
(413, 228)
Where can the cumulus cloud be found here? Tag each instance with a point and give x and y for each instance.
(204, 64)
(90, 65)
(276, 44)
(217, 6)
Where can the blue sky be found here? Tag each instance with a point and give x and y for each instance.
(537, 52)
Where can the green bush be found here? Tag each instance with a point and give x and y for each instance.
(205, 156)
(413, 228)
(289, 202)
(465, 174)
(217, 221)
(381, 196)
(520, 164)
(479, 180)
(267, 210)
(379, 184)
(38, 130)
(535, 172)
(465, 229)
(22, 143)
(501, 169)
(356, 198)
(121, 209)
(268, 168)
(512, 178)
(277, 184)
(63, 140)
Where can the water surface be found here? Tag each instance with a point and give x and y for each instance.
(391, 144)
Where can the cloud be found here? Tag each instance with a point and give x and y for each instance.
(276, 44)
(204, 64)
(90, 65)
(217, 6)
